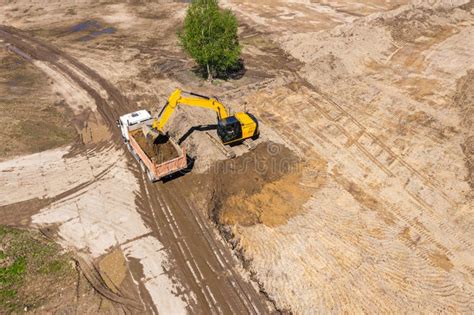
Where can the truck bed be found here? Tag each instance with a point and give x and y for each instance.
(157, 153)
(160, 160)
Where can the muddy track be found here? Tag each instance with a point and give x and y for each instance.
(210, 265)
(203, 263)
(93, 276)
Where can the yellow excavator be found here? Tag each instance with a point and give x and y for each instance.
(230, 129)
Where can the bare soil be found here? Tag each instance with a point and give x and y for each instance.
(157, 152)
(362, 93)
(411, 25)
(32, 117)
(464, 99)
(260, 187)
(243, 177)
(171, 261)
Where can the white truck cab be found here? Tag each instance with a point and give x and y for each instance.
(131, 119)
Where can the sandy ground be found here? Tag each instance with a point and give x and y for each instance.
(27, 126)
(373, 98)
(391, 228)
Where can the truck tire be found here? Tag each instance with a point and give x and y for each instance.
(135, 156)
(151, 177)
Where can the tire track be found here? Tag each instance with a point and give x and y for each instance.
(340, 129)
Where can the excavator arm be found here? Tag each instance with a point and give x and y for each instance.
(176, 98)
(230, 129)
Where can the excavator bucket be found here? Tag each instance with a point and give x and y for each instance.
(153, 136)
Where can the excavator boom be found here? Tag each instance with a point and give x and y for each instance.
(201, 101)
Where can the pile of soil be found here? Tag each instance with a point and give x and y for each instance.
(410, 25)
(157, 152)
(253, 188)
(248, 173)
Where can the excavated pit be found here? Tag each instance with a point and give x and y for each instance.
(157, 152)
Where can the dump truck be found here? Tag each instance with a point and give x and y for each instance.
(158, 160)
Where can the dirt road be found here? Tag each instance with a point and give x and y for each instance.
(200, 262)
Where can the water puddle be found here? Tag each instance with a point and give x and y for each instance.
(107, 30)
(93, 27)
(86, 25)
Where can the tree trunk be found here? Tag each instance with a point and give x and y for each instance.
(209, 74)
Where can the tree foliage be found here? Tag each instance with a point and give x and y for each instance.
(209, 35)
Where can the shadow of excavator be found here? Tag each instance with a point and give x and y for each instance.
(196, 128)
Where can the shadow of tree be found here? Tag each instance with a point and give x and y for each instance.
(234, 72)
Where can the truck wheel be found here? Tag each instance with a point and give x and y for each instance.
(129, 147)
(151, 177)
(135, 156)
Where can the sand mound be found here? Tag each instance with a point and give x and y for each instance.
(263, 186)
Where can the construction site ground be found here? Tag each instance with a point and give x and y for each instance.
(357, 199)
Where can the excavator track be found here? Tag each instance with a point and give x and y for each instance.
(226, 150)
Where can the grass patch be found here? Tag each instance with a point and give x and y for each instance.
(31, 269)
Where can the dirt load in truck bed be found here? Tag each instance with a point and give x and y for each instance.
(158, 153)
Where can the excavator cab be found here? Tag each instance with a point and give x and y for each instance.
(238, 127)
(229, 129)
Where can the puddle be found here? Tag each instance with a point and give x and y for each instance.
(94, 27)
(87, 25)
(107, 30)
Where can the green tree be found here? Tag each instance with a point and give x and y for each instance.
(209, 35)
